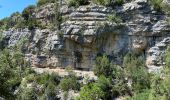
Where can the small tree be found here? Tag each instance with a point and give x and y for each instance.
(28, 11)
(136, 70)
(91, 92)
(42, 2)
(69, 83)
(102, 66)
(77, 3)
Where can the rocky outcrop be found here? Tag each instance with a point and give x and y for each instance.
(155, 55)
(91, 30)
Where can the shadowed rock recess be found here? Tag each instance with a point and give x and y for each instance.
(91, 30)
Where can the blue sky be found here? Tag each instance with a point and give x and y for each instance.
(7, 7)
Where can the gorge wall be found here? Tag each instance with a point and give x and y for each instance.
(92, 30)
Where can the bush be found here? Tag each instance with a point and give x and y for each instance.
(142, 96)
(102, 66)
(30, 78)
(69, 83)
(105, 85)
(76, 3)
(91, 92)
(156, 4)
(165, 8)
(136, 70)
(102, 2)
(51, 91)
(43, 2)
(119, 2)
(167, 58)
(109, 2)
(9, 74)
(28, 94)
(10, 22)
(114, 19)
(161, 83)
(32, 23)
(28, 11)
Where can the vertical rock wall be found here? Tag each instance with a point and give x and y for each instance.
(87, 32)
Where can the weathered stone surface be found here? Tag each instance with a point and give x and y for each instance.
(161, 26)
(15, 35)
(154, 59)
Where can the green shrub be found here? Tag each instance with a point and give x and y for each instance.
(9, 74)
(105, 85)
(50, 91)
(43, 2)
(165, 8)
(91, 92)
(28, 11)
(32, 23)
(156, 4)
(102, 2)
(108, 2)
(102, 66)
(136, 70)
(69, 83)
(119, 2)
(114, 19)
(142, 96)
(28, 94)
(76, 3)
(10, 22)
(30, 78)
(167, 59)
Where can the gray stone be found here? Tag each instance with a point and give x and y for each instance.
(88, 31)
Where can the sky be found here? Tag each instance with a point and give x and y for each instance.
(7, 7)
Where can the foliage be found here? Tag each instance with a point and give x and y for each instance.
(161, 82)
(29, 21)
(43, 86)
(142, 96)
(119, 2)
(165, 8)
(28, 11)
(91, 92)
(102, 2)
(111, 78)
(50, 91)
(23, 20)
(114, 19)
(44, 79)
(167, 58)
(156, 4)
(105, 85)
(135, 70)
(10, 72)
(28, 94)
(159, 85)
(43, 2)
(10, 22)
(76, 3)
(69, 83)
(102, 66)
(109, 2)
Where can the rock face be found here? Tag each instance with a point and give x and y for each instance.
(91, 30)
(155, 55)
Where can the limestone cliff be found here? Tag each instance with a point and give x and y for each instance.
(91, 30)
